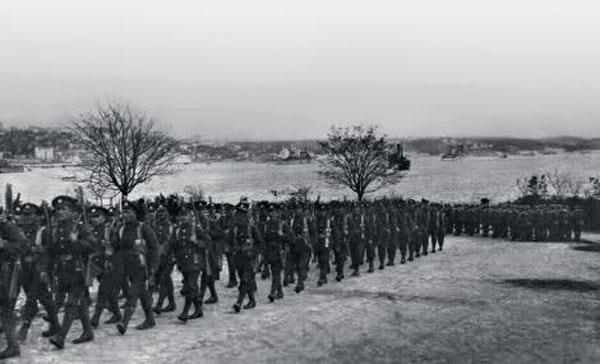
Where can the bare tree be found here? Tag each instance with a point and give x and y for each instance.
(565, 183)
(356, 157)
(126, 148)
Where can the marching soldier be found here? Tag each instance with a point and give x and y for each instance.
(216, 235)
(276, 237)
(110, 265)
(72, 242)
(300, 249)
(340, 239)
(136, 243)
(12, 244)
(30, 219)
(247, 246)
(323, 235)
(164, 235)
(189, 248)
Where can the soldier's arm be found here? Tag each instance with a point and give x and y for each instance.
(16, 241)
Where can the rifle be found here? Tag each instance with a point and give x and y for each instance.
(88, 276)
(14, 286)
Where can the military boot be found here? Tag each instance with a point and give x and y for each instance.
(171, 306)
(12, 349)
(252, 302)
(184, 316)
(88, 333)
(53, 320)
(58, 340)
(149, 322)
(159, 303)
(279, 294)
(237, 307)
(197, 309)
(122, 326)
(214, 298)
(371, 267)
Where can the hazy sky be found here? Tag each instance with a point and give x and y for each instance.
(289, 69)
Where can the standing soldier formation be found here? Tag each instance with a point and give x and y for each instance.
(56, 252)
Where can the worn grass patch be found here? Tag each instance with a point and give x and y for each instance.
(555, 284)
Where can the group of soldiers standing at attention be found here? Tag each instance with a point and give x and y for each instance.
(540, 223)
(57, 252)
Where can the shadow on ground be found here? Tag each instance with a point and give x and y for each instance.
(590, 247)
(557, 284)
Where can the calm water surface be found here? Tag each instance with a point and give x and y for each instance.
(463, 180)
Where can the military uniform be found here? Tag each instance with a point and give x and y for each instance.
(109, 266)
(12, 245)
(34, 261)
(136, 245)
(164, 231)
(72, 241)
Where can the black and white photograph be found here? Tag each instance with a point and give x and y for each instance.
(287, 181)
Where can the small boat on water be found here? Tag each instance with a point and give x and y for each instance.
(454, 152)
(69, 178)
(398, 160)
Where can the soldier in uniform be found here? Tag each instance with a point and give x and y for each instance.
(247, 246)
(383, 240)
(228, 248)
(300, 249)
(371, 236)
(163, 229)
(30, 219)
(72, 241)
(12, 244)
(357, 236)
(189, 248)
(276, 237)
(110, 265)
(339, 232)
(322, 245)
(136, 244)
(216, 235)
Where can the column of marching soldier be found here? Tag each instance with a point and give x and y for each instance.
(517, 222)
(56, 252)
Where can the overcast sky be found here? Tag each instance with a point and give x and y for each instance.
(289, 69)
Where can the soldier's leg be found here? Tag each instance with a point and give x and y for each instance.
(433, 235)
(392, 246)
(145, 295)
(137, 278)
(303, 257)
(190, 279)
(323, 257)
(9, 321)
(243, 286)
(232, 270)
(424, 242)
(411, 247)
(84, 315)
(45, 298)
(381, 254)
(31, 306)
(71, 312)
(276, 267)
(403, 249)
(441, 237)
(162, 292)
(250, 278)
(370, 248)
(197, 301)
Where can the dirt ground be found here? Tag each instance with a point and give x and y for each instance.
(478, 301)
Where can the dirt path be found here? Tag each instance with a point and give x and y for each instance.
(479, 301)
